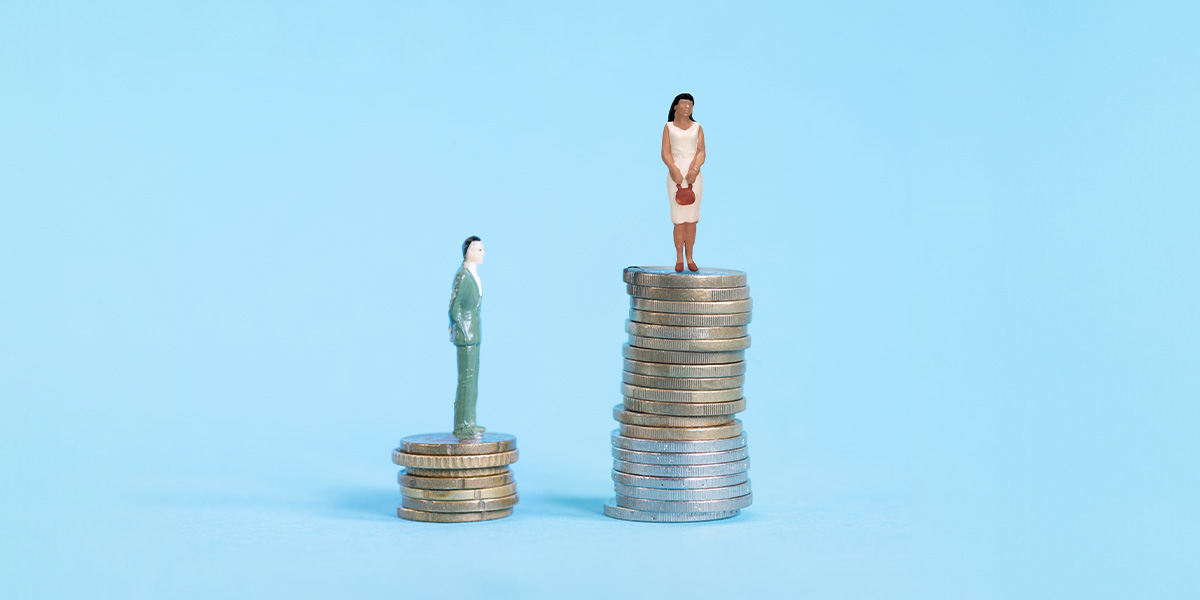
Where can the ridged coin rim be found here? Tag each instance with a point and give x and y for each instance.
(653, 369)
(466, 461)
(683, 384)
(681, 458)
(711, 470)
(675, 357)
(454, 483)
(716, 493)
(653, 343)
(692, 308)
(688, 294)
(455, 506)
(441, 517)
(686, 320)
(690, 332)
(685, 409)
(693, 446)
(473, 494)
(668, 277)
(685, 506)
(447, 444)
(672, 434)
(456, 473)
(627, 514)
(680, 483)
(623, 415)
(697, 397)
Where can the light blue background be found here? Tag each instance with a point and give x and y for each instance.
(228, 232)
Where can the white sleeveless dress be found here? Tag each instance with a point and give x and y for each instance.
(683, 149)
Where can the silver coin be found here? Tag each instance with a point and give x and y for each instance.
(691, 308)
(652, 343)
(644, 393)
(650, 420)
(683, 320)
(679, 483)
(719, 493)
(685, 409)
(666, 370)
(714, 470)
(674, 357)
(683, 383)
(676, 506)
(681, 458)
(668, 277)
(628, 514)
(449, 444)
(688, 294)
(690, 446)
(672, 332)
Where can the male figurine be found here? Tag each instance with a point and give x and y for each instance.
(464, 334)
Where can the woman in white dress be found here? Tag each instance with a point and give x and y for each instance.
(683, 152)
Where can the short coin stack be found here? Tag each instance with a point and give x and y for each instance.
(451, 480)
(679, 454)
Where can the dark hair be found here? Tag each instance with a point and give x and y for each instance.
(467, 243)
(671, 115)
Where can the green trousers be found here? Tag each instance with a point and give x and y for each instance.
(468, 387)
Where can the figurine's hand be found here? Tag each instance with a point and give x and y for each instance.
(691, 177)
(677, 177)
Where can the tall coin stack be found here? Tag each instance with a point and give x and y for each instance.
(450, 480)
(680, 455)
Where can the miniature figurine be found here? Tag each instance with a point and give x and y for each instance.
(464, 334)
(683, 153)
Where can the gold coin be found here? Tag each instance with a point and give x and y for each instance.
(456, 506)
(463, 517)
(476, 494)
(719, 432)
(454, 483)
(456, 473)
(449, 444)
(470, 461)
(685, 409)
(649, 420)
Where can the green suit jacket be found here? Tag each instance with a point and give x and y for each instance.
(464, 310)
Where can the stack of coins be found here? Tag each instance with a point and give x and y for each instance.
(680, 455)
(450, 480)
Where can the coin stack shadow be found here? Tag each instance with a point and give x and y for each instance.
(451, 480)
(679, 454)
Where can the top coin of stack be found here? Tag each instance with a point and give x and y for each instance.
(452, 480)
(679, 454)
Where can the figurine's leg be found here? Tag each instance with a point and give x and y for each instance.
(689, 240)
(678, 234)
(468, 390)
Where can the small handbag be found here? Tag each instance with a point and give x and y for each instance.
(684, 196)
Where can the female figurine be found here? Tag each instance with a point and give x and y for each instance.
(683, 152)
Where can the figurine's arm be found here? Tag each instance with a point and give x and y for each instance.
(456, 307)
(694, 169)
(676, 176)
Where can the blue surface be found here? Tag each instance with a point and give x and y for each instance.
(228, 233)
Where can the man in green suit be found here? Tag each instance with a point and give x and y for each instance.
(464, 334)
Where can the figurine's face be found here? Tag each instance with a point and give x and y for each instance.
(475, 252)
(683, 108)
